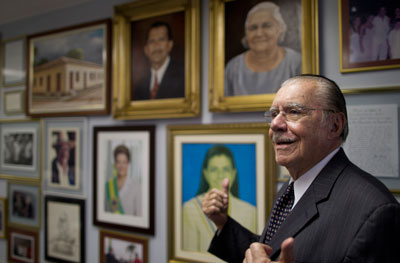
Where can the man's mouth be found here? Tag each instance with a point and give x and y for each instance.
(279, 140)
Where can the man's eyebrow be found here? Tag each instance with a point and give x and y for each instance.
(289, 105)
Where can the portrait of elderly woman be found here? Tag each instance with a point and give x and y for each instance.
(266, 60)
(218, 164)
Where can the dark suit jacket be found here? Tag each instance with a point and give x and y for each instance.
(172, 84)
(346, 215)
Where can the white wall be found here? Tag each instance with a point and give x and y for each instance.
(98, 9)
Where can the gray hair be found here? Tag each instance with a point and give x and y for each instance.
(275, 10)
(330, 94)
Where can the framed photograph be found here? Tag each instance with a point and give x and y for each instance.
(69, 71)
(24, 204)
(20, 149)
(123, 178)
(119, 247)
(369, 32)
(200, 157)
(65, 229)
(245, 73)
(156, 73)
(13, 62)
(14, 102)
(63, 156)
(3, 217)
(23, 245)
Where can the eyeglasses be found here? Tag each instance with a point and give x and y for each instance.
(291, 113)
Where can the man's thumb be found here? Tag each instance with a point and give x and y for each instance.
(225, 185)
(287, 255)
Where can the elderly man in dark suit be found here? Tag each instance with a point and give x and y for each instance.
(165, 78)
(333, 211)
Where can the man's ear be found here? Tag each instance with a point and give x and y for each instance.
(338, 121)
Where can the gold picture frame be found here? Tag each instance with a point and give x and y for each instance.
(116, 245)
(73, 78)
(355, 57)
(14, 102)
(190, 149)
(3, 217)
(307, 36)
(134, 18)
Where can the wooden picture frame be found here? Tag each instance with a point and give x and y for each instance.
(65, 229)
(124, 247)
(13, 62)
(248, 161)
(23, 245)
(20, 145)
(72, 77)
(64, 151)
(14, 102)
(24, 204)
(124, 155)
(3, 217)
(179, 91)
(361, 47)
(225, 39)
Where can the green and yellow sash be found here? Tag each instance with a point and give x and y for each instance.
(113, 197)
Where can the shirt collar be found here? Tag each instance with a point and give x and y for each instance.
(303, 182)
(160, 72)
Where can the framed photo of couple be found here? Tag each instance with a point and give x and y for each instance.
(200, 157)
(369, 33)
(156, 73)
(24, 204)
(123, 178)
(63, 165)
(256, 45)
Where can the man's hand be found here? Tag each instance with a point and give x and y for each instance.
(215, 204)
(259, 252)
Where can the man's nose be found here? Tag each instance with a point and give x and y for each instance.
(279, 122)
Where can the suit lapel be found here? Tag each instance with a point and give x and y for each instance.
(306, 209)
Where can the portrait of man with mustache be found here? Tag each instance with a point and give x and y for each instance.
(165, 78)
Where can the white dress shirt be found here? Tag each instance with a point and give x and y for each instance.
(303, 182)
(160, 73)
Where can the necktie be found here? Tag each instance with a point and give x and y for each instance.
(155, 88)
(280, 211)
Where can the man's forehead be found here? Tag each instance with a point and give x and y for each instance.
(296, 92)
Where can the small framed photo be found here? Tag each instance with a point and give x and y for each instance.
(20, 149)
(63, 155)
(369, 32)
(3, 217)
(23, 245)
(200, 157)
(13, 62)
(119, 247)
(157, 54)
(248, 63)
(123, 178)
(24, 205)
(69, 71)
(14, 102)
(65, 229)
